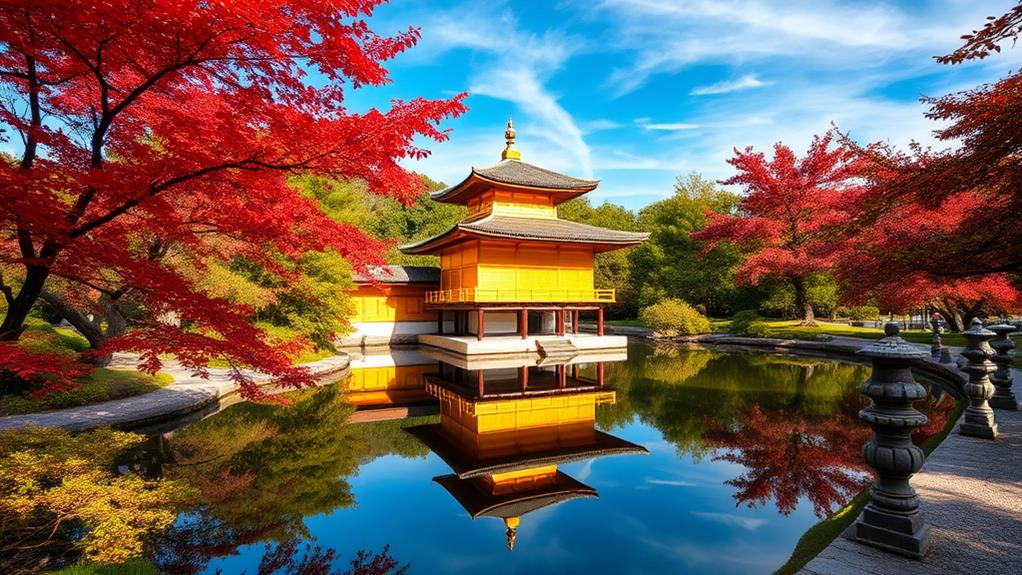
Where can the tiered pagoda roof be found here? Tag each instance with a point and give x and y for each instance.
(466, 465)
(534, 229)
(480, 503)
(515, 173)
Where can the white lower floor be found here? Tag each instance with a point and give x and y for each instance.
(514, 344)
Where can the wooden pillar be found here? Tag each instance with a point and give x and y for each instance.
(574, 321)
(525, 377)
(480, 381)
(599, 321)
(440, 321)
(481, 328)
(523, 323)
(562, 376)
(560, 322)
(599, 374)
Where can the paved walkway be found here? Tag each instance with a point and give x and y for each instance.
(971, 492)
(187, 394)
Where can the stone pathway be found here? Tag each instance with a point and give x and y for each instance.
(187, 394)
(971, 492)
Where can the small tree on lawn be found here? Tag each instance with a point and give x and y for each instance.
(788, 214)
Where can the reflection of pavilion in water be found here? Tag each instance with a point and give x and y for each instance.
(505, 427)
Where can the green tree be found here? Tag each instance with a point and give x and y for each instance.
(672, 264)
(611, 269)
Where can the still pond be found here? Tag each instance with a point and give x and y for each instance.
(698, 461)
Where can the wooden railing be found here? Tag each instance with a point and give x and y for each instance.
(520, 295)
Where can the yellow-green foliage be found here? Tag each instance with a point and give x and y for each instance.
(671, 317)
(133, 567)
(748, 323)
(59, 490)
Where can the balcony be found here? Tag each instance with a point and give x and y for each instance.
(544, 295)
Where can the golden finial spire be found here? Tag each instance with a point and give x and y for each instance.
(512, 525)
(510, 153)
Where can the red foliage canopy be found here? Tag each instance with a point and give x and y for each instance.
(944, 221)
(788, 456)
(789, 212)
(168, 123)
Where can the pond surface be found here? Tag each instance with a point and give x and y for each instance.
(745, 452)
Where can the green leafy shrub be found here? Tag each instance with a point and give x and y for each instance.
(672, 317)
(859, 312)
(61, 496)
(757, 329)
(743, 320)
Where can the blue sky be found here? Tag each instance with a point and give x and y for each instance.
(636, 92)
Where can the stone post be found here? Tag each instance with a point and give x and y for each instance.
(892, 519)
(1003, 398)
(937, 325)
(979, 418)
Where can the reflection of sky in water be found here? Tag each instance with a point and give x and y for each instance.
(666, 512)
(656, 513)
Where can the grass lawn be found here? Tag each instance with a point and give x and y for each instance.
(132, 567)
(100, 385)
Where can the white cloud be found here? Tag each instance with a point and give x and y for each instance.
(514, 66)
(746, 82)
(732, 520)
(670, 127)
(671, 482)
(669, 35)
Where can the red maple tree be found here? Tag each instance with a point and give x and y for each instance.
(948, 218)
(789, 212)
(148, 126)
(788, 456)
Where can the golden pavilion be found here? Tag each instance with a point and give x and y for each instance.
(512, 267)
(504, 431)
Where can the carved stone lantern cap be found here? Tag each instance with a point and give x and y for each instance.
(977, 329)
(893, 346)
(1003, 329)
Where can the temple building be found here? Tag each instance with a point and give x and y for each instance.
(383, 378)
(512, 267)
(389, 306)
(504, 431)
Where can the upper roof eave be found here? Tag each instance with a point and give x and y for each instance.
(518, 174)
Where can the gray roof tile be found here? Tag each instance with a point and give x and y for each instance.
(394, 274)
(555, 230)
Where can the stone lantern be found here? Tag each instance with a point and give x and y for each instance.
(938, 326)
(979, 417)
(892, 520)
(1003, 398)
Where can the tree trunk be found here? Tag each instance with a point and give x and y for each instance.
(19, 308)
(90, 329)
(803, 306)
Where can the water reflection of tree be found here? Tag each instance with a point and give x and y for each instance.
(788, 456)
(285, 558)
(259, 470)
(682, 394)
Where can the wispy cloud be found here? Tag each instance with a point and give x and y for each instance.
(670, 482)
(732, 520)
(670, 126)
(669, 35)
(746, 82)
(515, 66)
